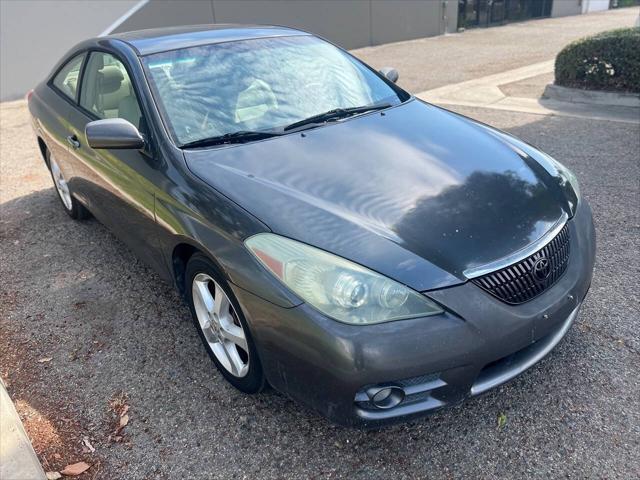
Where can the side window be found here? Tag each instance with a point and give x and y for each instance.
(107, 90)
(67, 78)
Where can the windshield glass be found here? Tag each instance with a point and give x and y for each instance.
(259, 84)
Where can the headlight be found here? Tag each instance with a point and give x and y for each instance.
(569, 177)
(337, 287)
(566, 178)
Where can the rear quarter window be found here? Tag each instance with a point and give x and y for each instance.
(67, 79)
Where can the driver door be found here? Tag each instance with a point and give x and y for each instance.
(115, 184)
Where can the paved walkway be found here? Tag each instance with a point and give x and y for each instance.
(484, 91)
(18, 461)
(428, 63)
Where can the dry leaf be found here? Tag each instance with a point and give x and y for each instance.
(87, 443)
(53, 475)
(75, 469)
(124, 419)
(124, 411)
(45, 360)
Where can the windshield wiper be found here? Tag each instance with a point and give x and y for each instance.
(336, 114)
(241, 136)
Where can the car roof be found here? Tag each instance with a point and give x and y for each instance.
(156, 40)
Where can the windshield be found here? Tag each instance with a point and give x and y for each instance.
(258, 85)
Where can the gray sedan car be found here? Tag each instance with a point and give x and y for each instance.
(370, 255)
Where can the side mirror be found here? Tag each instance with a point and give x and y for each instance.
(113, 133)
(390, 73)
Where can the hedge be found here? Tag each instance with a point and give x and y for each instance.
(606, 61)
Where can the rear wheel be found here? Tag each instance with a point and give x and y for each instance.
(73, 208)
(222, 326)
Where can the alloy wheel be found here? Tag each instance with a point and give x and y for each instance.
(220, 325)
(60, 183)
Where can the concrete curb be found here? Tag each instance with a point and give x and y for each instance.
(486, 89)
(18, 460)
(485, 92)
(592, 97)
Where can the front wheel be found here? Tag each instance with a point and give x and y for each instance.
(222, 326)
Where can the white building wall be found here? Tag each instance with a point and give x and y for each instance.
(563, 8)
(594, 5)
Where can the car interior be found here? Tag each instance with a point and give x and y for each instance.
(205, 111)
(67, 79)
(107, 90)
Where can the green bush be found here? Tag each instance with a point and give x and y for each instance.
(628, 3)
(606, 61)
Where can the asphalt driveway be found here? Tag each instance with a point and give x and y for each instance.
(87, 332)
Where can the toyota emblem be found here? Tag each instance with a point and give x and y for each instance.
(541, 269)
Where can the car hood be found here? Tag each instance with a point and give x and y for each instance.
(416, 193)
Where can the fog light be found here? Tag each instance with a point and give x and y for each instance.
(385, 397)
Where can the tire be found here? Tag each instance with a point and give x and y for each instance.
(70, 205)
(216, 324)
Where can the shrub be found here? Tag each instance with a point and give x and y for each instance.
(606, 61)
(628, 3)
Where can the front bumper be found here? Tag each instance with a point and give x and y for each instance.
(477, 344)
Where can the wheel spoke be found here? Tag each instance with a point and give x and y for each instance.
(234, 359)
(234, 334)
(221, 306)
(203, 293)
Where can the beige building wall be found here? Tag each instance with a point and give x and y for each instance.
(349, 23)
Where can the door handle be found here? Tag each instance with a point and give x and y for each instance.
(73, 141)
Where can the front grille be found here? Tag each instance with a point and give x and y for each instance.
(525, 280)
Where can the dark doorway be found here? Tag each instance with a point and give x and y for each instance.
(486, 13)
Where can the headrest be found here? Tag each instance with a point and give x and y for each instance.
(110, 79)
